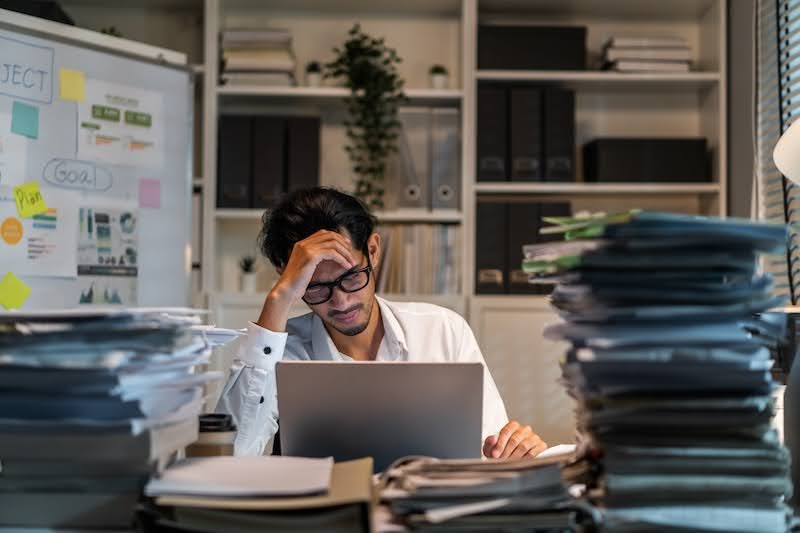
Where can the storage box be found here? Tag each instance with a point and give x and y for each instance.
(531, 47)
(646, 160)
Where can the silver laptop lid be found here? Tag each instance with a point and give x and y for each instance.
(380, 409)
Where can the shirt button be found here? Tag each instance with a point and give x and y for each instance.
(267, 350)
(261, 400)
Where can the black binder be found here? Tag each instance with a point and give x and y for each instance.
(303, 152)
(234, 161)
(492, 134)
(523, 228)
(559, 135)
(524, 224)
(526, 134)
(491, 236)
(269, 160)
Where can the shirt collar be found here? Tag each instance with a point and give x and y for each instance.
(324, 348)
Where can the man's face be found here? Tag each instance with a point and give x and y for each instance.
(348, 312)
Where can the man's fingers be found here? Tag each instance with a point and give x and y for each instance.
(488, 445)
(516, 440)
(538, 448)
(523, 448)
(503, 436)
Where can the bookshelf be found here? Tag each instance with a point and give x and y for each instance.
(425, 32)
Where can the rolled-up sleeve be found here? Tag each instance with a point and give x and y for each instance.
(250, 394)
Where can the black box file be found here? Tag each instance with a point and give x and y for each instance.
(559, 135)
(492, 133)
(646, 160)
(531, 47)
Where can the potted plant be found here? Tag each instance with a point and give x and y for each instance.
(313, 74)
(247, 264)
(438, 75)
(369, 69)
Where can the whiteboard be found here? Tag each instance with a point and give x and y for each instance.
(121, 148)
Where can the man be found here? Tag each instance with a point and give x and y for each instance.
(323, 245)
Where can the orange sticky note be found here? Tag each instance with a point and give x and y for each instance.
(13, 291)
(29, 200)
(72, 85)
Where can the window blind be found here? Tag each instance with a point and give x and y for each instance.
(777, 105)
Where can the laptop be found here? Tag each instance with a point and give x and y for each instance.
(384, 410)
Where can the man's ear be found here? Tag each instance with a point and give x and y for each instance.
(374, 249)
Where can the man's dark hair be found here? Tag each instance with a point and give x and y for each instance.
(302, 213)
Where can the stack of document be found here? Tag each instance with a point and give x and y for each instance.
(91, 403)
(670, 367)
(257, 56)
(476, 495)
(260, 494)
(647, 54)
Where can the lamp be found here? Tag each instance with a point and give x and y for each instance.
(787, 160)
(787, 152)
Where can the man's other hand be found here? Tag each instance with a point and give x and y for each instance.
(514, 441)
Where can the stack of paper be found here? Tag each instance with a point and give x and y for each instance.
(91, 402)
(647, 54)
(257, 57)
(491, 495)
(670, 367)
(260, 494)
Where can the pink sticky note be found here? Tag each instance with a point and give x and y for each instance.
(149, 193)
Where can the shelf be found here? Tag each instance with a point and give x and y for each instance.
(238, 214)
(673, 10)
(333, 95)
(198, 69)
(411, 215)
(605, 80)
(389, 7)
(407, 216)
(595, 188)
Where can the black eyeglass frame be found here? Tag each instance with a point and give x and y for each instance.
(337, 283)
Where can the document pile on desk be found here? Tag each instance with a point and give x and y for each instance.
(260, 494)
(671, 369)
(477, 495)
(91, 403)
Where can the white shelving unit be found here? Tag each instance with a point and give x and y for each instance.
(425, 32)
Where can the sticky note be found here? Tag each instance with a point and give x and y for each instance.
(25, 120)
(149, 193)
(72, 85)
(13, 291)
(29, 200)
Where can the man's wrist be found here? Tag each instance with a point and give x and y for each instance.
(275, 312)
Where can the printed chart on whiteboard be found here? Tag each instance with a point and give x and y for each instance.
(108, 250)
(121, 125)
(41, 245)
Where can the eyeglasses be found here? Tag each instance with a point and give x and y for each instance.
(352, 281)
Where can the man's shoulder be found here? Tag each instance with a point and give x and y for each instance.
(300, 326)
(422, 311)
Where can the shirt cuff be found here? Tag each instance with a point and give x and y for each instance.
(262, 348)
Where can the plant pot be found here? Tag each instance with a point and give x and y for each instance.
(313, 79)
(248, 282)
(439, 81)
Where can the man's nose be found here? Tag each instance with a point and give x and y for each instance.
(338, 299)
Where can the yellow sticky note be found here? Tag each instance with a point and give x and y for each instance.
(13, 291)
(29, 200)
(72, 85)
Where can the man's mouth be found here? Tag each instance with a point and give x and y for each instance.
(346, 316)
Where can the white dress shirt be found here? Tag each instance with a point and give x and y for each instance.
(412, 332)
